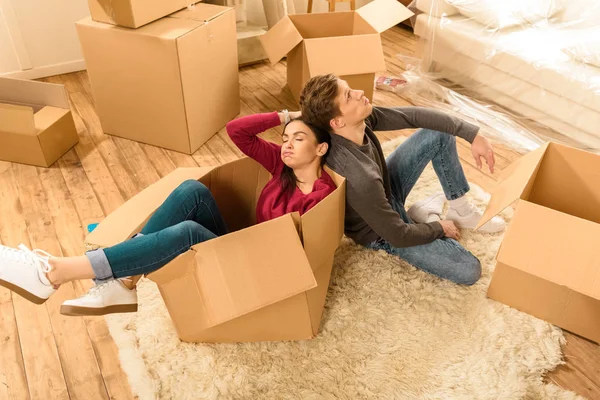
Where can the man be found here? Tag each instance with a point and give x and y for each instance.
(377, 188)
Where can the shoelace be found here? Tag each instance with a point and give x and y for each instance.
(25, 256)
(100, 288)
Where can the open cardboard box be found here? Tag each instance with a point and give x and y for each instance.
(345, 43)
(549, 261)
(36, 124)
(263, 282)
(133, 13)
(173, 83)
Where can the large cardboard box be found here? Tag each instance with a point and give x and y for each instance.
(36, 125)
(264, 282)
(549, 264)
(172, 83)
(133, 13)
(347, 44)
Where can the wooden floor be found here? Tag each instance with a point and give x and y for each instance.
(44, 355)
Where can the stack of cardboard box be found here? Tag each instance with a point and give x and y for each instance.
(162, 76)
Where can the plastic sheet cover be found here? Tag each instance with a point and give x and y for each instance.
(526, 71)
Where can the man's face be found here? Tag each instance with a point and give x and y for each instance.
(353, 105)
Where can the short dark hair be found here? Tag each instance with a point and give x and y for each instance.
(288, 178)
(318, 101)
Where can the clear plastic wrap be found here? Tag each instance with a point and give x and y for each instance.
(525, 70)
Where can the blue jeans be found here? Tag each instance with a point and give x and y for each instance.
(445, 258)
(187, 217)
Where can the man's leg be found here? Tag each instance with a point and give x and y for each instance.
(445, 258)
(407, 162)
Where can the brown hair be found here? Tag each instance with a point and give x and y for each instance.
(317, 101)
(288, 177)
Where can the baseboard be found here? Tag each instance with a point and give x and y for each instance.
(48, 70)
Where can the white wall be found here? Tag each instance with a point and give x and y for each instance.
(38, 37)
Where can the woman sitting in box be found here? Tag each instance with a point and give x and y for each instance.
(188, 216)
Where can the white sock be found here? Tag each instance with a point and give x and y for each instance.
(461, 205)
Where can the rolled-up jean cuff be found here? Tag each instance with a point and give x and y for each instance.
(100, 265)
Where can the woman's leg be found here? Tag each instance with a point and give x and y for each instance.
(138, 256)
(190, 201)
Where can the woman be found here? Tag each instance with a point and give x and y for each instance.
(188, 216)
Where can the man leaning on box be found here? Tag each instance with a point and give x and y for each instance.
(377, 188)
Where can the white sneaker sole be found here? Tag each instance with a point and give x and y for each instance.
(23, 293)
(77, 311)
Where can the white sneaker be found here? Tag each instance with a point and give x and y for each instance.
(427, 210)
(472, 218)
(24, 272)
(105, 298)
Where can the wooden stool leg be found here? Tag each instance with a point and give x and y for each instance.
(352, 4)
(309, 6)
(331, 5)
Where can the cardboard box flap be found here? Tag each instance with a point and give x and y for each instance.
(32, 92)
(202, 12)
(320, 244)
(516, 186)
(48, 116)
(111, 9)
(250, 269)
(126, 221)
(554, 246)
(280, 39)
(16, 119)
(383, 14)
(344, 55)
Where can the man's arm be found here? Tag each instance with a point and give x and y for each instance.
(390, 119)
(367, 197)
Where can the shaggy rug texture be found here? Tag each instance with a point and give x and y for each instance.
(389, 331)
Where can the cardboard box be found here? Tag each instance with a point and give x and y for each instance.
(36, 125)
(250, 50)
(262, 282)
(134, 13)
(172, 83)
(347, 44)
(549, 264)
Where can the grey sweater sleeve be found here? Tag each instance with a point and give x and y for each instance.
(366, 195)
(390, 119)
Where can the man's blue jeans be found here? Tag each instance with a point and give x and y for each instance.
(187, 217)
(445, 258)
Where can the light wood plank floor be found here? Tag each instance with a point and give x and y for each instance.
(44, 355)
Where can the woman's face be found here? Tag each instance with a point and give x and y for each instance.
(300, 147)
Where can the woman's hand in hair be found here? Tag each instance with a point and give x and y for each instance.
(295, 114)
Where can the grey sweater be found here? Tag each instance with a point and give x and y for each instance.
(369, 214)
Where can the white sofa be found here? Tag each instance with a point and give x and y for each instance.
(526, 68)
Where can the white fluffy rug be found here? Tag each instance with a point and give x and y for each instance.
(389, 331)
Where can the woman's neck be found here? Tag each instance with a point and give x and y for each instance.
(307, 175)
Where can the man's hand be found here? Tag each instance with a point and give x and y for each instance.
(481, 147)
(450, 230)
